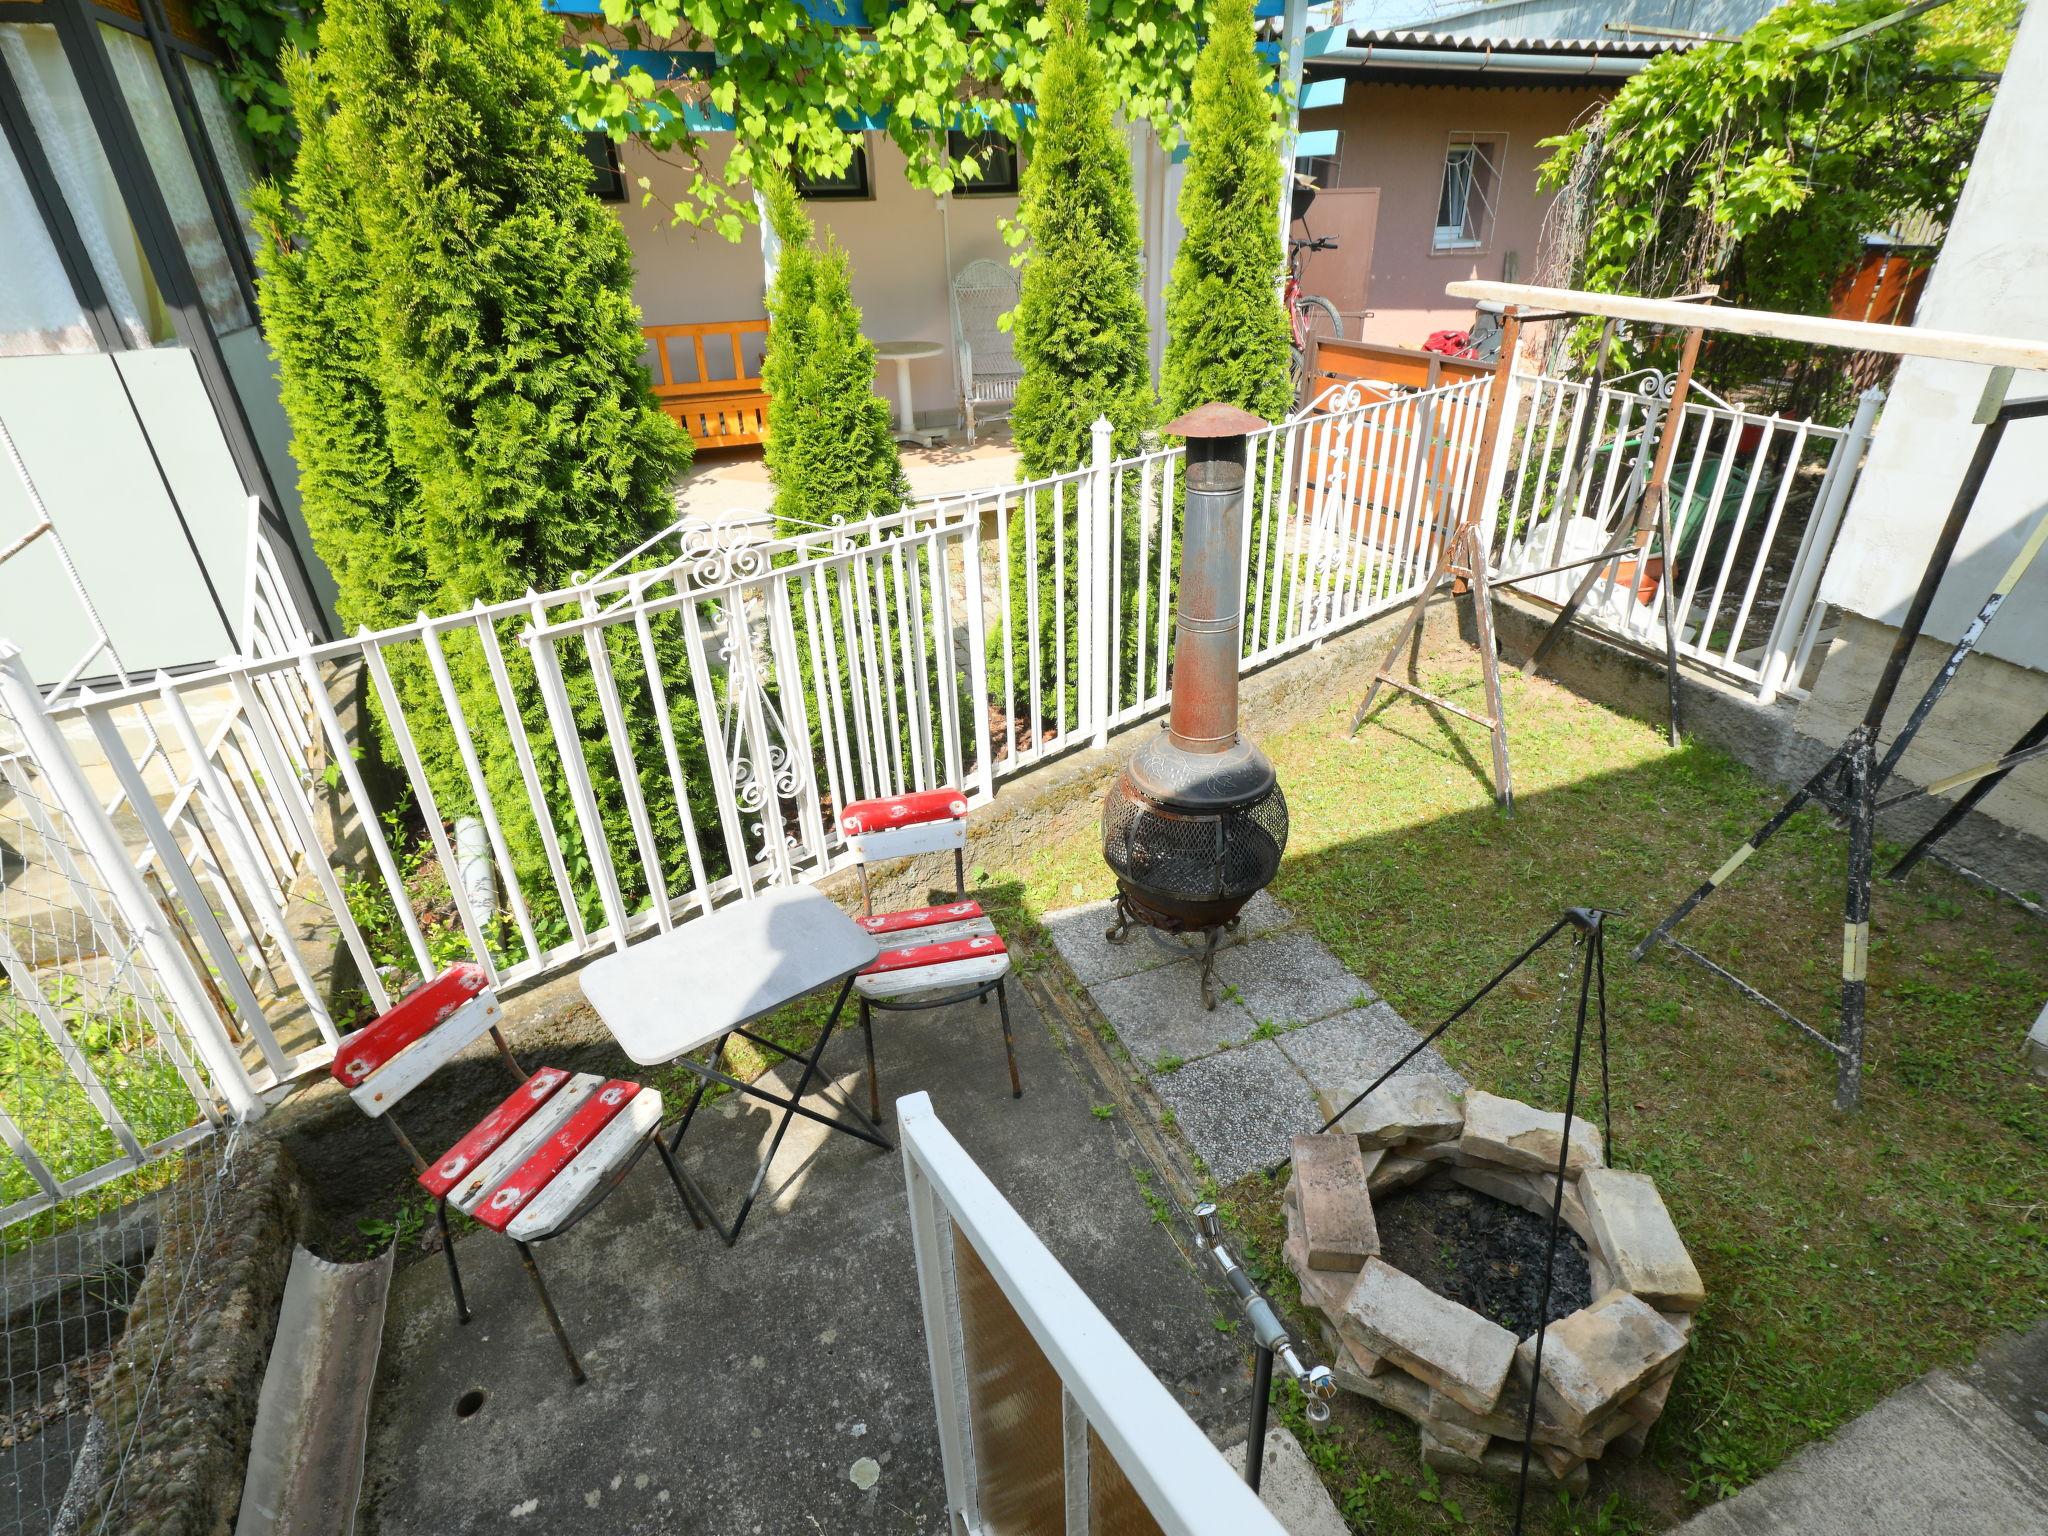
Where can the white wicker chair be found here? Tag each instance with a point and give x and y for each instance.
(983, 291)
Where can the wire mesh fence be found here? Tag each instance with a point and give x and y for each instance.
(104, 1120)
(97, 1313)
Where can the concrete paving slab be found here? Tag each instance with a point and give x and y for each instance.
(736, 1391)
(1290, 978)
(1937, 1455)
(1159, 1014)
(1290, 1487)
(1078, 934)
(1343, 1055)
(1239, 1110)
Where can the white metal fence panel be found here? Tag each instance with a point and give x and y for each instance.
(1048, 1420)
(97, 1074)
(569, 770)
(1755, 502)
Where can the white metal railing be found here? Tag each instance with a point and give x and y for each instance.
(645, 745)
(1048, 1420)
(1755, 504)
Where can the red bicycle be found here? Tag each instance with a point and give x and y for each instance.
(1310, 316)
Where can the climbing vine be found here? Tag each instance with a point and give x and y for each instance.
(253, 35)
(799, 89)
(1762, 163)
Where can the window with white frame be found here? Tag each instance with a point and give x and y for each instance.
(1471, 189)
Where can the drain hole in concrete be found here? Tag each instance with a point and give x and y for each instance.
(469, 1402)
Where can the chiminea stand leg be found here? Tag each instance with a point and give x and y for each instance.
(1121, 928)
(1212, 937)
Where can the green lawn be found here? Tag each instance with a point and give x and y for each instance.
(1842, 1255)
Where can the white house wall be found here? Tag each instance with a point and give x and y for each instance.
(897, 240)
(1992, 276)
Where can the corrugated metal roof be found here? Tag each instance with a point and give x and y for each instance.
(1538, 26)
(1621, 47)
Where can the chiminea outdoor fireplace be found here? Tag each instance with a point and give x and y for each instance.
(1195, 824)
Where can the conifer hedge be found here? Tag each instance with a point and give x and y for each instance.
(1226, 334)
(831, 452)
(460, 353)
(1081, 336)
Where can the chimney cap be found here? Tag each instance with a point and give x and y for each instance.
(1216, 420)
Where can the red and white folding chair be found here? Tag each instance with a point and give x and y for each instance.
(932, 957)
(534, 1166)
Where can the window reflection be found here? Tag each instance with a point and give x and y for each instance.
(65, 133)
(163, 143)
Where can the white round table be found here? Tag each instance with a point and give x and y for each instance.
(903, 354)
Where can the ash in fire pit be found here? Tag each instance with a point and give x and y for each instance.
(1482, 1253)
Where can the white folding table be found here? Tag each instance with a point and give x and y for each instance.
(704, 981)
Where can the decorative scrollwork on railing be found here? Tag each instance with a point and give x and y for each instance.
(764, 769)
(1654, 384)
(723, 549)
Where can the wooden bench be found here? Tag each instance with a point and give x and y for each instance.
(726, 408)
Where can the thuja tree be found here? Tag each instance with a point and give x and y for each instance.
(1081, 334)
(1760, 164)
(1226, 334)
(453, 319)
(830, 451)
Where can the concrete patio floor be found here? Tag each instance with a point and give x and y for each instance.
(732, 1391)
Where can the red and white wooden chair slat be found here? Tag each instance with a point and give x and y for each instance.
(928, 950)
(491, 1132)
(553, 1115)
(526, 1181)
(920, 917)
(420, 1060)
(939, 933)
(414, 1017)
(891, 811)
(909, 841)
(587, 1174)
(948, 976)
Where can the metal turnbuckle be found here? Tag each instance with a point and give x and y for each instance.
(1273, 1339)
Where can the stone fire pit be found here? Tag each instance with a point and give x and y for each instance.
(1464, 1378)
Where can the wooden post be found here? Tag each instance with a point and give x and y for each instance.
(1463, 555)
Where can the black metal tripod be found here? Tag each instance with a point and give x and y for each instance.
(1590, 924)
(1849, 782)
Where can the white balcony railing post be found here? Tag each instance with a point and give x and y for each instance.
(124, 888)
(1098, 658)
(1791, 634)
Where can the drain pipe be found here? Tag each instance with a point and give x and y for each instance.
(1272, 1338)
(475, 875)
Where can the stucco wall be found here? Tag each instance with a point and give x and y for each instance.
(897, 240)
(1394, 136)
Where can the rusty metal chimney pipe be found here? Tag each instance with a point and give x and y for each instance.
(1208, 624)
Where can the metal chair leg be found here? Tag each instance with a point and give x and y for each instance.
(867, 1029)
(548, 1306)
(675, 1176)
(1009, 1041)
(448, 1249)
